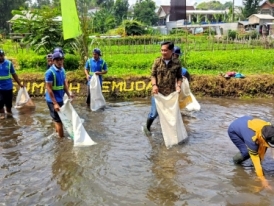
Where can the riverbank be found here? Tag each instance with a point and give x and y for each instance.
(139, 86)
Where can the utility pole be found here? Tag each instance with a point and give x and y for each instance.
(233, 10)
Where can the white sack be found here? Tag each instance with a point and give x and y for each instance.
(194, 105)
(97, 100)
(171, 120)
(23, 99)
(186, 98)
(185, 87)
(73, 124)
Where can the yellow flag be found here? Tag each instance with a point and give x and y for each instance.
(70, 20)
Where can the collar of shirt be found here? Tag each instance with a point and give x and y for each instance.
(55, 68)
(3, 62)
(95, 60)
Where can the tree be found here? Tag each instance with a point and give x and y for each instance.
(120, 10)
(227, 4)
(211, 5)
(251, 7)
(43, 30)
(41, 3)
(103, 20)
(6, 6)
(144, 11)
(133, 27)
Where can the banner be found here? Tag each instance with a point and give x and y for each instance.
(70, 20)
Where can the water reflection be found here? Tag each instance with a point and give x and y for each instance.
(126, 167)
(164, 189)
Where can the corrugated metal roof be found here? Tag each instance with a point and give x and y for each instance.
(262, 16)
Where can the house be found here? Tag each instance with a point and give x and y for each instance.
(267, 8)
(260, 19)
(262, 22)
(163, 13)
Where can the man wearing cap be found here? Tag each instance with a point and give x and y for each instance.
(49, 61)
(97, 66)
(252, 137)
(6, 87)
(56, 87)
(177, 53)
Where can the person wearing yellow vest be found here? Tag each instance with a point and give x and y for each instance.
(56, 86)
(252, 137)
(7, 72)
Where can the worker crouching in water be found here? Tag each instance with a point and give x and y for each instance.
(252, 137)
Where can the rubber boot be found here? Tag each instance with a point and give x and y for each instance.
(146, 128)
(238, 158)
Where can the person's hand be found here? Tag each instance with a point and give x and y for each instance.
(71, 96)
(155, 89)
(178, 88)
(21, 85)
(87, 77)
(265, 183)
(56, 107)
(98, 73)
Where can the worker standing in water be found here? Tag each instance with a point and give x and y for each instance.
(252, 137)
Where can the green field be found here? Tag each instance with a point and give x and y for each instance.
(199, 57)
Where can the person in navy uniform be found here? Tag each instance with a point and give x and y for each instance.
(252, 137)
(7, 72)
(177, 53)
(56, 87)
(95, 65)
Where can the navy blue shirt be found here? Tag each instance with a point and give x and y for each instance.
(239, 126)
(6, 69)
(96, 66)
(60, 81)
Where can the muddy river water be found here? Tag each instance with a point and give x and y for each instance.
(126, 167)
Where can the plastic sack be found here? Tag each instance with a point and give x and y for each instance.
(171, 120)
(23, 99)
(186, 99)
(194, 105)
(97, 100)
(184, 96)
(73, 125)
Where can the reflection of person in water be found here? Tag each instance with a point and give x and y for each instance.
(252, 137)
(64, 168)
(168, 191)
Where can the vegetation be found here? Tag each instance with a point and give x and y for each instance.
(129, 60)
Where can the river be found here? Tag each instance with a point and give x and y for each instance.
(126, 167)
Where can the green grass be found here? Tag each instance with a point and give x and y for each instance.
(136, 60)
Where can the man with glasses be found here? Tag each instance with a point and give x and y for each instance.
(252, 137)
(56, 87)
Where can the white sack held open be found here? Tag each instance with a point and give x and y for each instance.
(186, 98)
(23, 99)
(97, 100)
(171, 121)
(73, 125)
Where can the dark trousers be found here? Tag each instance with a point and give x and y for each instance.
(239, 142)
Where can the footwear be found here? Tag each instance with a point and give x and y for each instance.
(146, 131)
(238, 158)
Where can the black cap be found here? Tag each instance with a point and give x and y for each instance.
(268, 134)
(2, 53)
